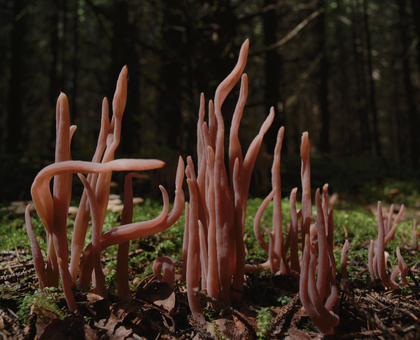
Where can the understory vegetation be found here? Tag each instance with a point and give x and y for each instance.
(267, 298)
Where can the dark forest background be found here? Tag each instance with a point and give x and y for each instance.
(347, 71)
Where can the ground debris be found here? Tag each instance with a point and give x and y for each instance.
(367, 310)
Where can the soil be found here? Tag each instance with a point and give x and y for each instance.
(367, 310)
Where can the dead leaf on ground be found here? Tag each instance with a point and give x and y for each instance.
(158, 293)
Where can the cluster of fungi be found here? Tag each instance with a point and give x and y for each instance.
(213, 248)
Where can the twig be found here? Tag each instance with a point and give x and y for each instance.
(10, 268)
(14, 277)
(285, 311)
(291, 34)
(388, 333)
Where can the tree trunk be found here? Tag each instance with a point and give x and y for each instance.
(415, 6)
(365, 142)
(75, 88)
(397, 119)
(324, 141)
(124, 53)
(371, 82)
(14, 137)
(345, 107)
(54, 87)
(414, 122)
(172, 75)
(273, 69)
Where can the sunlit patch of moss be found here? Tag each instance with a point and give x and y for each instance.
(45, 301)
(13, 231)
(264, 318)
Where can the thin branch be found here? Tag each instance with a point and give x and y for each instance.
(291, 34)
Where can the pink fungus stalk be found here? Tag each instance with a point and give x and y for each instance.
(124, 248)
(322, 318)
(124, 233)
(193, 264)
(415, 236)
(306, 186)
(99, 278)
(346, 247)
(221, 195)
(377, 266)
(52, 207)
(294, 256)
(166, 265)
(278, 262)
(401, 269)
(39, 263)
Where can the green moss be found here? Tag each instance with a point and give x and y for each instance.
(264, 318)
(47, 301)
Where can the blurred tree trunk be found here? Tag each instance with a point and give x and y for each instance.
(414, 122)
(63, 50)
(75, 88)
(14, 139)
(324, 141)
(172, 76)
(371, 81)
(398, 122)
(365, 142)
(415, 6)
(345, 99)
(273, 69)
(54, 87)
(124, 52)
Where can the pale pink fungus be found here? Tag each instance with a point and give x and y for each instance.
(380, 249)
(185, 243)
(377, 262)
(371, 266)
(323, 263)
(257, 219)
(309, 296)
(167, 265)
(346, 247)
(222, 194)
(52, 208)
(132, 231)
(124, 248)
(39, 263)
(401, 269)
(99, 278)
(279, 248)
(294, 256)
(306, 186)
(82, 217)
(193, 264)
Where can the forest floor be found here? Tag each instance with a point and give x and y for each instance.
(270, 307)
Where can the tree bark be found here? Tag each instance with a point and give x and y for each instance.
(172, 76)
(124, 53)
(397, 119)
(372, 101)
(324, 141)
(73, 107)
(415, 6)
(365, 142)
(414, 122)
(273, 69)
(54, 87)
(345, 107)
(14, 138)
